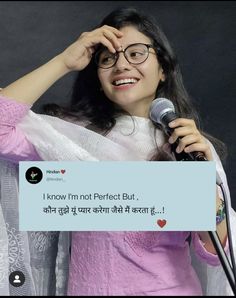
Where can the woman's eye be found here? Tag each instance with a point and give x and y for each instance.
(136, 54)
(106, 59)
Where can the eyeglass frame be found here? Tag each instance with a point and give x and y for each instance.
(116, 54)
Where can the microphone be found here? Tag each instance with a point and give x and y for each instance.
(162, 111)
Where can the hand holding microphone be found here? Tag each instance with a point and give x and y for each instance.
(186, 141)
(183, 134)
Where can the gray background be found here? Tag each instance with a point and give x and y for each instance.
(202, 34)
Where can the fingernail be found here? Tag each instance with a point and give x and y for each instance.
(177, 149)
(170, 140)
(171, 124)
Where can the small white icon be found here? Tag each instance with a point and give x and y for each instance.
(17, 279)
(33, 174)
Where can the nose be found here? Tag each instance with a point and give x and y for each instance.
(121, 62)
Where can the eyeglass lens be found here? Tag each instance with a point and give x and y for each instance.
(134, 54)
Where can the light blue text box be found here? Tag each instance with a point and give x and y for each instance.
(119, 196)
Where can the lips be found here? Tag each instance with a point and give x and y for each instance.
(124, 81)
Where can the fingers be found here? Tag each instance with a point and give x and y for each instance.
(113, 35)
(182, 122)
(78, 55)
(200, 147)
(189, 138)
(106, 35)
(181, 132)
(186, 141)
(182, 127)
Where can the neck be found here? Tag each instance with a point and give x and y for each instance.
(138, 110)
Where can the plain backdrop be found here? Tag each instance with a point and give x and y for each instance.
(202, 34)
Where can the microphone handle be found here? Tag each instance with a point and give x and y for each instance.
(182, 156)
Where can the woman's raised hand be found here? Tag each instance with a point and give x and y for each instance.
(78, 55)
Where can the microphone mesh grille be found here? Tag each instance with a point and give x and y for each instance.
(159, 107)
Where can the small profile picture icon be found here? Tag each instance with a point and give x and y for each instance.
(17, 278)
(33, 175)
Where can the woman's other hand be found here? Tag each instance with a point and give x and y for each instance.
(190, 138)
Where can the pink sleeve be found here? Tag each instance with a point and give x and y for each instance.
(13, 144)
(203, 254)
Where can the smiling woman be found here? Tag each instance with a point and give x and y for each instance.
(130, 79)
(123, 65)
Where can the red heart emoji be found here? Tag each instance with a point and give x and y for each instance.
(63, 171)
(161, 222)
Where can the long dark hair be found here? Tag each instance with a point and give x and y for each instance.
(90, 103)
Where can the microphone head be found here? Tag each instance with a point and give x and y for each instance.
(159, 107)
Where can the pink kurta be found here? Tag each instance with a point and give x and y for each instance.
(114, 263)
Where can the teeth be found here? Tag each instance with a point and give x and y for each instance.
(124, 81)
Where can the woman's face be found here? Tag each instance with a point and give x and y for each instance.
(135, 95)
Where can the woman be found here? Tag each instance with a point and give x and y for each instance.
(123, 66)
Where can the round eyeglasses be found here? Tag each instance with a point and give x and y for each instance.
(136, 53)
